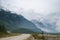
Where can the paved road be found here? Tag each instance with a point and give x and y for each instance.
(20, 37)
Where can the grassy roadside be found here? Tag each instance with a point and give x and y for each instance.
(37, 36)
(3, 35)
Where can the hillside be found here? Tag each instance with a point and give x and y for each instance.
(17, 23)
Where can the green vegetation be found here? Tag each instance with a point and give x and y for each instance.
(4, 33)
(2, 29)
(37, 36)
(8, 35)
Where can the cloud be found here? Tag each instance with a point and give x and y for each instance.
(58, 26)
(52, 21)
(43, 29)
(42, 7)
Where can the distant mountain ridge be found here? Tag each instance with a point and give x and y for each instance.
(17, 23)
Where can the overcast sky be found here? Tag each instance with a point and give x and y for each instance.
(32, 9)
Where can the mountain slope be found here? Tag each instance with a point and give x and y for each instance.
(50, 23)
(17, 23)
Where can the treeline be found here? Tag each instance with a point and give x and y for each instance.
(2, 29)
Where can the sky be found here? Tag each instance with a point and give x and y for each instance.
(31, 9)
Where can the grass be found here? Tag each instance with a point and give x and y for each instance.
(3, 35)
(46, 36)
(36, 36)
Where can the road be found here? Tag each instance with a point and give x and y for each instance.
(20, 37)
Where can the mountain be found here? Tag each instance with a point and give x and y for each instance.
(17, 23)
(50, 23)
